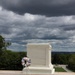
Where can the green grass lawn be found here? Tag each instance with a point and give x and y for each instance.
(59, 69)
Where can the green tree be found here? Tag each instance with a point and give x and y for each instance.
(10, 60)
(71, 63)
(60, 58)
(3, 44)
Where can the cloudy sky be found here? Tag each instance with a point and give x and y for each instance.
(38, 21)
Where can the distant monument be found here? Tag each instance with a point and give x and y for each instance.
(40, 54)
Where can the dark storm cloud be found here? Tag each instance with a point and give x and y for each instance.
(43, 7)
(68, 27)
(55, 37)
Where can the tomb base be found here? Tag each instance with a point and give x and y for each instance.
(39, 70)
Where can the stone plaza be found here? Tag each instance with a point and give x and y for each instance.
(8, 72)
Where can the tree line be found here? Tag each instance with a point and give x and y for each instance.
(64, 58)
(9, 60)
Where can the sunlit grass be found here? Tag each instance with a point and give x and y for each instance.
(59, 69)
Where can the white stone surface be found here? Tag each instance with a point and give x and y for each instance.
(40, 54)
(9, 72)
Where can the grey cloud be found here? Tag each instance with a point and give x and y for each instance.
(16, 28)
(68, 27)
(54, 37)
(33, 28)
(43, 7)
(4, 30)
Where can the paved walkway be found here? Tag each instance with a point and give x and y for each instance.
(2, 72)
(66, 69)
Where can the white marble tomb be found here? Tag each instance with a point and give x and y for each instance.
(40, 55)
